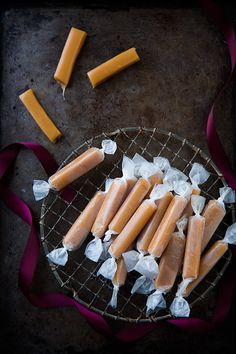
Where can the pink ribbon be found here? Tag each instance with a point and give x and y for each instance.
(215, 146)
(31, 252)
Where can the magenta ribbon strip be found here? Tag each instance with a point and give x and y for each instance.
(215, 146)
(31, 253)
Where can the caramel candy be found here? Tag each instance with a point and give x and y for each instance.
(78, 231)
(113, 66)
(164, 231)
(121, 273)
(72, 48)
(39, 115)
(196, 226)
(192, 255)
(188, 211)
(150, 228)
(208, 261)
(111, 204)
(213, 213)
(75, 169)
(82, 226)
(129, 206)
(170, 262)
(132, 228)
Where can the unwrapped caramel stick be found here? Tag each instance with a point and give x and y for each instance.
(44, 122)
(113, 66)
(71, 50)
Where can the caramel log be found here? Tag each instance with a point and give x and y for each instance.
(214, 213)
(121, 273)
(170, 263)
(150, 228)
(40, 116)
(82, 226)
(132, 228)
(130, 205)
(167, 226)
(188, 211)
(76, 168)
(130, 185)
(155, 179)
(111, 204)
(208, 260)
(113, 66)
(192, 253)
(71, 50)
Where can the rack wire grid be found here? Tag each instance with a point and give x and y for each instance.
(79, 276)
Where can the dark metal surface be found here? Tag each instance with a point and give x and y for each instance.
(183, 62)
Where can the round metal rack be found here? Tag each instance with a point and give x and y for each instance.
(60, 210)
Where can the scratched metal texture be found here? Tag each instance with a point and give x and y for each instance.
(183, 62)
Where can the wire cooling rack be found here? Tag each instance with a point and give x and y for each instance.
(57, 216)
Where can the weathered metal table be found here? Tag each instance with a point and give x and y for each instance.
(183, 62)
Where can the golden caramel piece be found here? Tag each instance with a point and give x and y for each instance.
(78, 231)
(150, 228)
(82, 226)
(72, 48)
(38, 113)
(76, 168)
(188, 211)
(196, 227)
(208, 261)
(170, 263)
(167, 226)
(129, 206)
(214, 213)
(113, 66)
(192, 255)
(132, 228)
(111, 204)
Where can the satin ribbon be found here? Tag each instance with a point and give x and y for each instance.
(31, 252)
(215, 146)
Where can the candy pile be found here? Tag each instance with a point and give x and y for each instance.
(151, 220)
